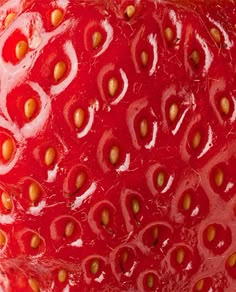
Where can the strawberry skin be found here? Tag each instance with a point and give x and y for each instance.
(117, 145)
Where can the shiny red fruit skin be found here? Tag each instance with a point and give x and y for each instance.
(117, 145)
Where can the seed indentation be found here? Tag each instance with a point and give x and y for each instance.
(62, 275)
(69, 229)
(130, 11)
(21, 49)
(56, 17)
(30, 107)
(35, 241)
(225, 105)
(96, 39)
(6, 201)
(34, 192)
(7, 149)
(114, 155)
(112, 86)
(59, 71)
(9, 19)
(79, 117)
(50, 156)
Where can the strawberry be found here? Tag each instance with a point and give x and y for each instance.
(117, 145)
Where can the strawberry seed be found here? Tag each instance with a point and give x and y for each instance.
(219, 177)
(173, 112)
(7, 149)
(199, 285)
(79, 117)
(34, 285)
(2, 239)
(34, 192)
(225, 105)
(114, 155)
(211, 233)
(35, 241)
(6, 201)
(94, 267)
(21, 49)
(143, 128)
(150, 281)
(215, 34)
(144, 58)
(196, 140)
(169, 34)
(30, 108)
(96, 39)
(195, 57)
(56, 17)
(130, 11)
(105, 217)
(50, 156)
(9, 19)
(232, 260)
(80, 180)
(187, 201)
(62, 275)
(180, 256)
(160, 179)
(59, 71)
(135, 206)
(112, 86)
(69, 229)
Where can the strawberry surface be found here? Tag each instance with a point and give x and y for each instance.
(117, 145)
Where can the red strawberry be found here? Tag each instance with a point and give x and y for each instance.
(118, 145)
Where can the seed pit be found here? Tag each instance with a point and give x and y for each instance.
(9, 19)
(130, 11)
(50, 156)
(30, 108)
(7, 201)
(56, 17)
(34, 285)
(34, 192)
(96, 39)
(21, 49)
(113, 86)
(7, 149)
(114, 155)
(59, 71)
(62, 275)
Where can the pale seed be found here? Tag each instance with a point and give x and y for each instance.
(62, 275)
(144, 58)
(169, 34)
(143, 128)
(69, 229)
(59, 71)
(34, 285)
(225, 105)
(35, 241)
(56, 17)
(34, 192)
(196, 140)
(180, 256)
(135, 206)
(215, 34)
(96, 39)
(160, 179)
(6, 201)
(112, 86)
(114, 154)
(105, 217)
(30, 108)
(50, 156)
(9, 19)
(21, 49)
(94, 267)
(7, 149)
(219, 177)
(173, 112)
(130, 11)
(80, 180)
(232, 260)
(79, 117)
(211, 233)
(195, 57)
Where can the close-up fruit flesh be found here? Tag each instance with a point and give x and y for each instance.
(117, 145)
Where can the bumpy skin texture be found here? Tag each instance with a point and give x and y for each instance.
(140, 195)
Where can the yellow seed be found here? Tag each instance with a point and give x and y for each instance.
(94, 267)
(180, 256)
(187, 201)
(56, 17)
(114, 154)
(21, 49)
(112, 86)
(50, 156)
(150, 281)
(6, 201)
(195, 57)
(2, 239)
(105, 217)
(124, 256)
(135, 206)
(9, 19)
(130, 11)
(215, 34)
(199, 285)
(225, 105)
(219, 177)
(62, 275)
(96, 39)
(143, 128)
(35, 241)
(80, 180)
(232, 260)
(30, 108)
(173, 112)
(7, 149)
(59, 71)
(169, 34)
(69, 229)
(196, 140)
(160, 179)
(211, 233)
(34, 285)
(144, 58)
(34, 192)
(79, 117)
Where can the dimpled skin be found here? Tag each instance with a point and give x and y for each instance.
(117, 145)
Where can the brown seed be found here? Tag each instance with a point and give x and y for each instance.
(180, 256)
(34, 285)
(155, 234)
(21, 49)
(50, 156)
(199, 285)
(130, 11)
(225, 105)
(124, 257)
(160, 179)
(7, 149)
(144, 58)
(173, 112)
(169, 34)
(143, 128)
(219, 177)
(135, 206)
(80, 180)
(150, 281)
(9, 19)
(232, 260)
(2, 239)
(62, 275)
(35, 241)
(114, 154)
(195, 57)
(196, 140)
(94, 267)
(56, 17)
(211, 233)
(96, 39)
(69, 229)
(59, 71)
(6, 201)
(34, 192)
(105, 217)
(79, 117)
(30, 108)
(215, 34)
(112, 86)
(187, 201)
